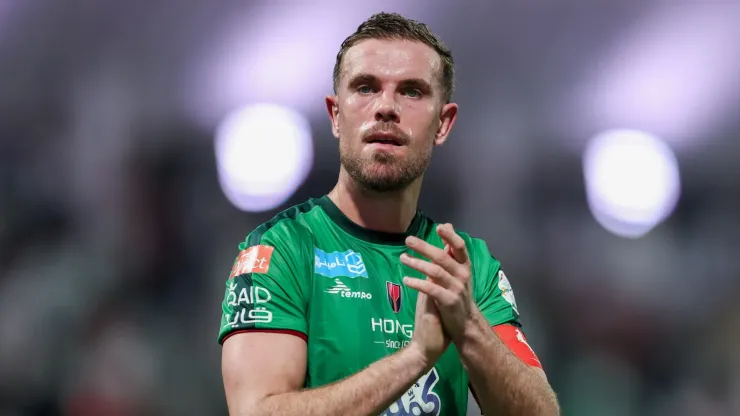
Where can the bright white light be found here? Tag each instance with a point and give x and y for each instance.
(674, 73)
(632, 181)
(264, 152)
(278, 52)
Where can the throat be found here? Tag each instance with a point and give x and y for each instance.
(392, 213)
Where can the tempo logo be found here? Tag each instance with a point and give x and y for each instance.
(344, 291)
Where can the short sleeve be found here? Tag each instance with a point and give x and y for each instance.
(492, 289)
(268, 286)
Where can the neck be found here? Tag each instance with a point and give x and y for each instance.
(390, 212)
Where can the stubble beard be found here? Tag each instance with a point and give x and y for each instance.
(383, 171)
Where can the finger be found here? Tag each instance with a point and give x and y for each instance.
(431, 289)
(457, 244)
(435, 254)
(423, 303)
(431, 270)
(458, 249)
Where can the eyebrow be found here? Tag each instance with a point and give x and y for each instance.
(363, 78)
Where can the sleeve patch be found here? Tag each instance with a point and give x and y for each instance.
(514, 339)
(255, 259)
(506, 291)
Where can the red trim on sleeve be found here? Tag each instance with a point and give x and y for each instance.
(298, 334)
(514, 339)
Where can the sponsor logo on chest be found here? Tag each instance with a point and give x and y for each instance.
(339, 264)
(342, 290)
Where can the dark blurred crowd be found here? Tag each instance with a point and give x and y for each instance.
(116, 239)
(111, 285)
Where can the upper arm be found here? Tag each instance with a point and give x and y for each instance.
(255, 365)
(267, 290)
(495, 299)
(269, 285)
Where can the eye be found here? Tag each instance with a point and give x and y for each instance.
(364, 89)
(412, 93)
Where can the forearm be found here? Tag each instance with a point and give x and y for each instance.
(368, 392)
(503, 383)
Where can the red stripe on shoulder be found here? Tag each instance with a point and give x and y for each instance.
(514, 339)
(298, 334)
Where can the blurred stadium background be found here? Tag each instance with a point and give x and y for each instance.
(596, 151)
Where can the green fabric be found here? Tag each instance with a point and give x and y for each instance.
(338, 283)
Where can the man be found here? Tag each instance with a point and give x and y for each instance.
(355, 303)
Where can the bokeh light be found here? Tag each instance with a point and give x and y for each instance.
(632, 181)
(264, 152)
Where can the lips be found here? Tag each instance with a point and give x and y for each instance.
(390, 142)
(384, 138)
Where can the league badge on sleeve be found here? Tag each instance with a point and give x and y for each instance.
(506, 291)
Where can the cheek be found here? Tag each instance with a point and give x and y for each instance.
(351, 100)
(353, 119)
(422, 126)
(356, 104)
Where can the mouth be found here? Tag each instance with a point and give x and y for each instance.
(385, 139)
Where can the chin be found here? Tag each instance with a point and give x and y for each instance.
(384, 185)
(384, 158)
(385, 167)
(384, 179)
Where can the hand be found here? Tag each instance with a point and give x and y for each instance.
(429, 338)
(448, 281)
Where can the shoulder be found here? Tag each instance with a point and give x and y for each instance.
(280, 243)
(291, 225)
(492, 289)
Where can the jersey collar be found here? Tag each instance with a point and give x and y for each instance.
(366, 234)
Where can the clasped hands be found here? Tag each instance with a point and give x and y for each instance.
(445, 306)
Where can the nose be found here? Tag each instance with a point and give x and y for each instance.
(386, 109)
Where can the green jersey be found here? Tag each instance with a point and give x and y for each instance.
(312, 272)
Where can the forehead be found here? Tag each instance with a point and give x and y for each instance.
(392, 59)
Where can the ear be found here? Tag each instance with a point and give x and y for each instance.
(447, 117)
(332, 106)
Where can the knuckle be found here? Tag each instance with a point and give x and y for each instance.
(465, 273)
(450, 301)
(447, 262)
(436, 270)
(419, 265)
(460, 275)
(439, 256)
(458, 290)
